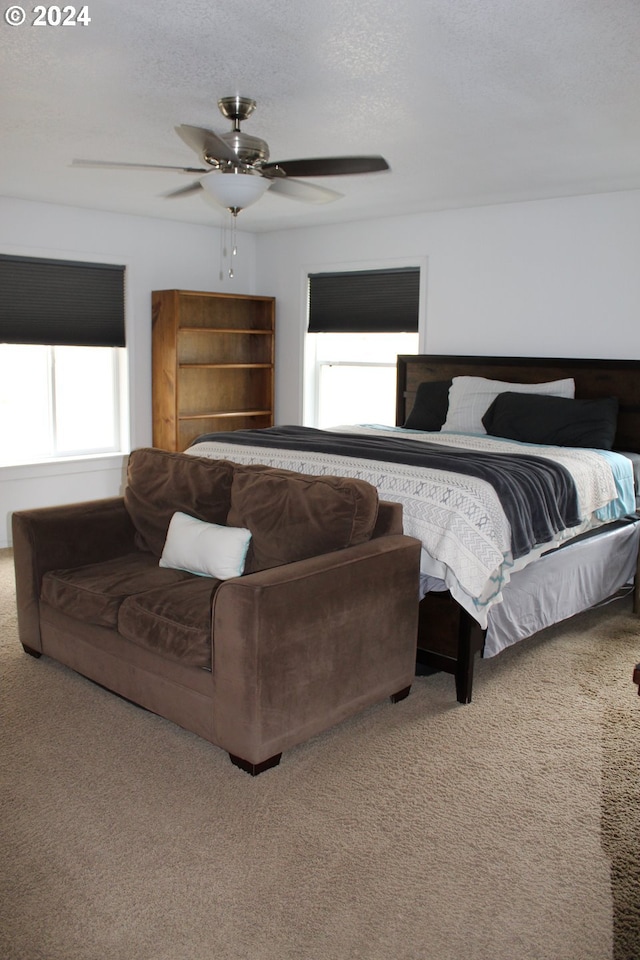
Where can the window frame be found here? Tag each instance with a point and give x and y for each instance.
(123, 364)
(50, 424)
(322, 363)
(309, 364)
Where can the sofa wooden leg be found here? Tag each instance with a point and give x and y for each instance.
(400, 695)
(255, 768)
(31, 651)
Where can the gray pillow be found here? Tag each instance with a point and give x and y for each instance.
(430, 406)
(553, 420)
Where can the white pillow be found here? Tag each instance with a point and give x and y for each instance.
(206, 549)
(471, 397)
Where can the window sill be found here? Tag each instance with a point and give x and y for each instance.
(88, 463)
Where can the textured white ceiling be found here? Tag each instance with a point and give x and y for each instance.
(470, 101)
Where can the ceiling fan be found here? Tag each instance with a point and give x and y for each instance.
(238, 171)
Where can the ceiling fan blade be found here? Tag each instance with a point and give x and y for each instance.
(329, 166)
(194, 187)
(205, 141)
(134, 166)
(297, 190)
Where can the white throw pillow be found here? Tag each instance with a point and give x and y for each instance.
(471, 397)
(206, 549)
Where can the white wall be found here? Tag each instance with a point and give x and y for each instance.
(544, 278)
(158, 254)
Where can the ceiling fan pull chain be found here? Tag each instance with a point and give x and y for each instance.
(223, 251)
(234, 241)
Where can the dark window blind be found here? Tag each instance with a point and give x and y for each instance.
(61, 302)
(364, 301)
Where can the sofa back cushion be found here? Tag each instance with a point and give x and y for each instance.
(293, 516)
(160, 483)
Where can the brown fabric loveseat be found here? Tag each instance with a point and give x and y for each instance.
(321, 623)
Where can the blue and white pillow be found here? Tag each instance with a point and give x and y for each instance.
(206, 549)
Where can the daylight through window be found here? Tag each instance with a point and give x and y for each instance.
(58, 402)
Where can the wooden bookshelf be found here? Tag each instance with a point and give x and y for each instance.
(213, 357)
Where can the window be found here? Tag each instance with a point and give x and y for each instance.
(58, 401)
(61, 359)
(355, 376)
(358, 324)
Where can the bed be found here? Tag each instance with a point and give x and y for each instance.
(516, 534)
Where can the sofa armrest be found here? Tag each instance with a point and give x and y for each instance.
(53, 538)
(300, 647)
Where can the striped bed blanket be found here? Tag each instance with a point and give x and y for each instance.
(483, 508)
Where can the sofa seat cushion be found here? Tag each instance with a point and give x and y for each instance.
(174, 623)
(93, 593)
(160, 482)
(293, 516)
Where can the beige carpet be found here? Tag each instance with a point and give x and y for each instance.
(425, 830)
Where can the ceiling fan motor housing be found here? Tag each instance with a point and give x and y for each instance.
(248, 149)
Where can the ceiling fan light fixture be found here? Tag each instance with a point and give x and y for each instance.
(235, 189)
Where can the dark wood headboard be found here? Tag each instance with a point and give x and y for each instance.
(593, 378)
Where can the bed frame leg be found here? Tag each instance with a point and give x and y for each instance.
(470, 642)
(448, 639)
(464, 674)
